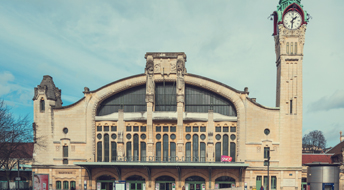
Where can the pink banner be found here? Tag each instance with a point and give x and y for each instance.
(40, 181)
(225, 158)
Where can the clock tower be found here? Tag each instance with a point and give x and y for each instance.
(290, 22)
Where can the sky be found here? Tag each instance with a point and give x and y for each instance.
(93, 43)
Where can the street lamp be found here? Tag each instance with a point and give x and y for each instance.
(267, 162)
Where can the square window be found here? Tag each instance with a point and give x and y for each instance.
(99, 128)
(136, 128)
(173, 129)
(203, 129)
(188, 129)
(218, 129)
(233, 129)
(65, 161)
(195, 129)
(106, 128)
(165, 129)
(143, 128)
(225, 129)
(128, 128)
(158, 129)
(113, 128)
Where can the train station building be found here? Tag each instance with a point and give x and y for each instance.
(168, 129)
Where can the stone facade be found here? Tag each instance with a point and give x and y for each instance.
(97, 140)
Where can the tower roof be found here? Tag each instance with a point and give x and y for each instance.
(283, 4)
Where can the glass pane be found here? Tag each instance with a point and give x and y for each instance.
(218, 152)
(99, 152)
(225, 129)
(136, 147)
(218, 129)
(58, 184)
(138, 186)
(128, 128)
(113, 128)
(143, 151)
(143, 128)
(265, 182)
(195, 129)
(173, 151)
(258, 182)
(158, 151)
(165, 129)
(233, 147)
(99, 128)
(173, 129)
(65, 151)
(233, 129)
(113, 151)
(165, 147)
(158, 128)
(165, 97)
(132, 186)
(106, 148)
(273, 182)
(188, 152)
(106, 128)
(131, 100)
(225, 145)
(136, 128)
(266, 152)
(129, 156)
(202, 152)
(203, 129)
(195, 147)
(187, 129)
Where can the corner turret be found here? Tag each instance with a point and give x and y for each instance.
(48, 88)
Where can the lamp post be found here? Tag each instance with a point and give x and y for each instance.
(268, 164)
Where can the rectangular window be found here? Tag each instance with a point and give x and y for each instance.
(165, 129)
(113, 151)
(136, 128)
(129, 156)
(273, 182)
(65, 185)
(65, 161)
(225, 129)
(72, 184)
(188, 151)
(258, 182)
(65, 151)
(295, 48)
(143, 151)
(173, 129)
(202, 152)
(99, 152)
(173, 151)
(58, 184)
(113, 128)
(128, 128)
(218, 152)
(158, 128)
(106, 128)
(143, 128)
(291, 106)
(218, 129)
(233, 129)
(265, 182)
(203, 129)
(158, 151)
(106, 148)
(188, 129)
(232, 151)
(195, 129)
(99, 128)
(266, 152)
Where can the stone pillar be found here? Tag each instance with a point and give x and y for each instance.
(150, 92)
(120, 142)
(210, 146)
(150, 140)
(180, 91)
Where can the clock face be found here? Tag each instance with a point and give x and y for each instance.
(292, 20)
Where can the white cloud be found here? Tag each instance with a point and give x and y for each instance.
(335, 101)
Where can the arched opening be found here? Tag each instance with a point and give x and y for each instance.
(136, 182)
(165, 183)
(224, 182)
(42, 105)
(105, 182)
(194, 183)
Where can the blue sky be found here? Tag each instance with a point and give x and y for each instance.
(93, 43)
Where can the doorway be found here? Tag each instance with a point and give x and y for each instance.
(194, 183)
(105, 182)
(136, 182)
(165, 182)
(224, 182)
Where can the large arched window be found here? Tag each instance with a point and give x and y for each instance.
(106, 148)
(202, 100)
(165, 97)
(131, 100)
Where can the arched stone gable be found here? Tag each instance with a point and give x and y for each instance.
(104, 172)
(229, 174)
(96, 97)
(195, 173)
(159, 174)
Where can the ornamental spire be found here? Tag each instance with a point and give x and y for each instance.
(283, 4)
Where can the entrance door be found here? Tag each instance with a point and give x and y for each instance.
(165, 185)
(136, 185)
(106, 185)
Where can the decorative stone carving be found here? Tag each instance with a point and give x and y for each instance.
(86, 90)
(259, 149)
(48, 88)
(157, 68)
(150, 85)
(180, 80)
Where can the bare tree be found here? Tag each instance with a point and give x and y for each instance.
(314, 139)
(15, 132)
